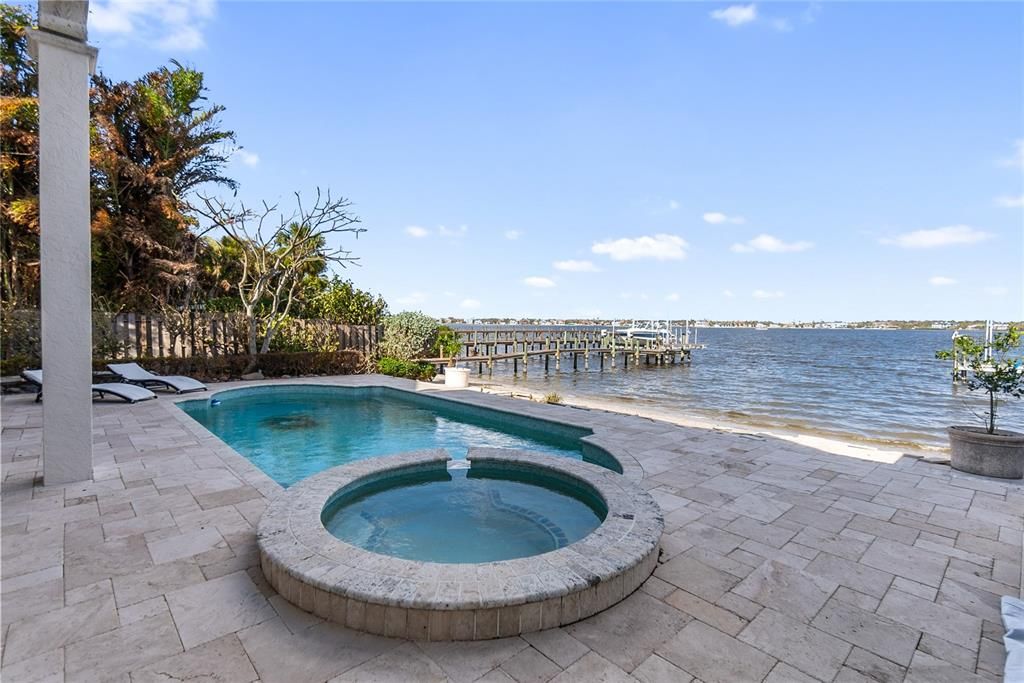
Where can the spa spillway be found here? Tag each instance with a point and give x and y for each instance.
(406, 546)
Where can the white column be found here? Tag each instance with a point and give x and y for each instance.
(64, 63)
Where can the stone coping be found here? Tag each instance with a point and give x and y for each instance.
(434, 601)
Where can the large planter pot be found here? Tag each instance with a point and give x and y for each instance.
(456, 377)
(976, 451)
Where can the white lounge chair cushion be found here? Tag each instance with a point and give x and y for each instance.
(133, 372)
(129, 392)
(182, 383)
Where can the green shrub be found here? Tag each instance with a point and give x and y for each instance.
(19, 331)
(296, 336)
(396, 367)
(339, 300)
(408, 335)
(223, 304)
(270, 364)
(22, 340)
(16, 363)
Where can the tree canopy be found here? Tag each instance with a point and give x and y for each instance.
(159, 152)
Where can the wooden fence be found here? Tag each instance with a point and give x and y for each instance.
(134, 335)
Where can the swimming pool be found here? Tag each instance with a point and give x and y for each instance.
(460, 515)
(294, 431)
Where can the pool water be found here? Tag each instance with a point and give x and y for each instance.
(464, 515)
(292, 432)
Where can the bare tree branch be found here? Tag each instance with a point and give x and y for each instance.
(277, 250)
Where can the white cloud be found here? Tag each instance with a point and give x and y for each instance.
(783, 25)
(660, 247)
(246, 157)
(764, 294)
(539, 282)
(412, 299)
(937, 237)
(1011, 202)
(184, 38)
(728, 293)
(471, 304)
(416, 231)
(770, 244)
(736, 15)
(513, 234)
(573, 266)
(1017, 160)
(996, 290)
(941, 281)
(173, 25)
(674, 296)
(673, 205)
(108, 19)
(452, 232)
(717, 218)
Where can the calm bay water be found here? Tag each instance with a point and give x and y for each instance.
(881, 386)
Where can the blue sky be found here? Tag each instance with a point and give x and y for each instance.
(772, 160)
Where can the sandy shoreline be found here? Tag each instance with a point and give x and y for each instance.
(849, 448)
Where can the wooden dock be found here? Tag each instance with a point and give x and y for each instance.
(482, 347)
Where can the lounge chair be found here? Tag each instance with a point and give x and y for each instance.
(128, 392)
(133, 373)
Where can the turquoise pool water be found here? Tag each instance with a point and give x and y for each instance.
(292, 432)
(464, 515)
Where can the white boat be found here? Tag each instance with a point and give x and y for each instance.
(647, 331)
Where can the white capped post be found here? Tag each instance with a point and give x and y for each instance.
(64, 62)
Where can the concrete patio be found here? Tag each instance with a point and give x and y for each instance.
(780, 563)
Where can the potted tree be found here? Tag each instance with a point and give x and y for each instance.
(998, 370)
(448, 346)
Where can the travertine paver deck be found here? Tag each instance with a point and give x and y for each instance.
(780, 563)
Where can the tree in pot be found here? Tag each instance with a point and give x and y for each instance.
(448, 346)
(999, 370)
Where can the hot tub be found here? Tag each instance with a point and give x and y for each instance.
(404, 546)
(484, 513)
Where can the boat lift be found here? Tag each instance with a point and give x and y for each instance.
(960, 368)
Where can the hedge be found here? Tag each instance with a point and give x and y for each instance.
(409, 369)
(227, 367)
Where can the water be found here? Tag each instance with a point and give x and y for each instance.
(292, 432)
(878, 386)
(482, 516)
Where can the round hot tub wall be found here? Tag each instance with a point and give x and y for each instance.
(404, 598)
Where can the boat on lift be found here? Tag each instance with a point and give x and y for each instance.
(650, 331)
